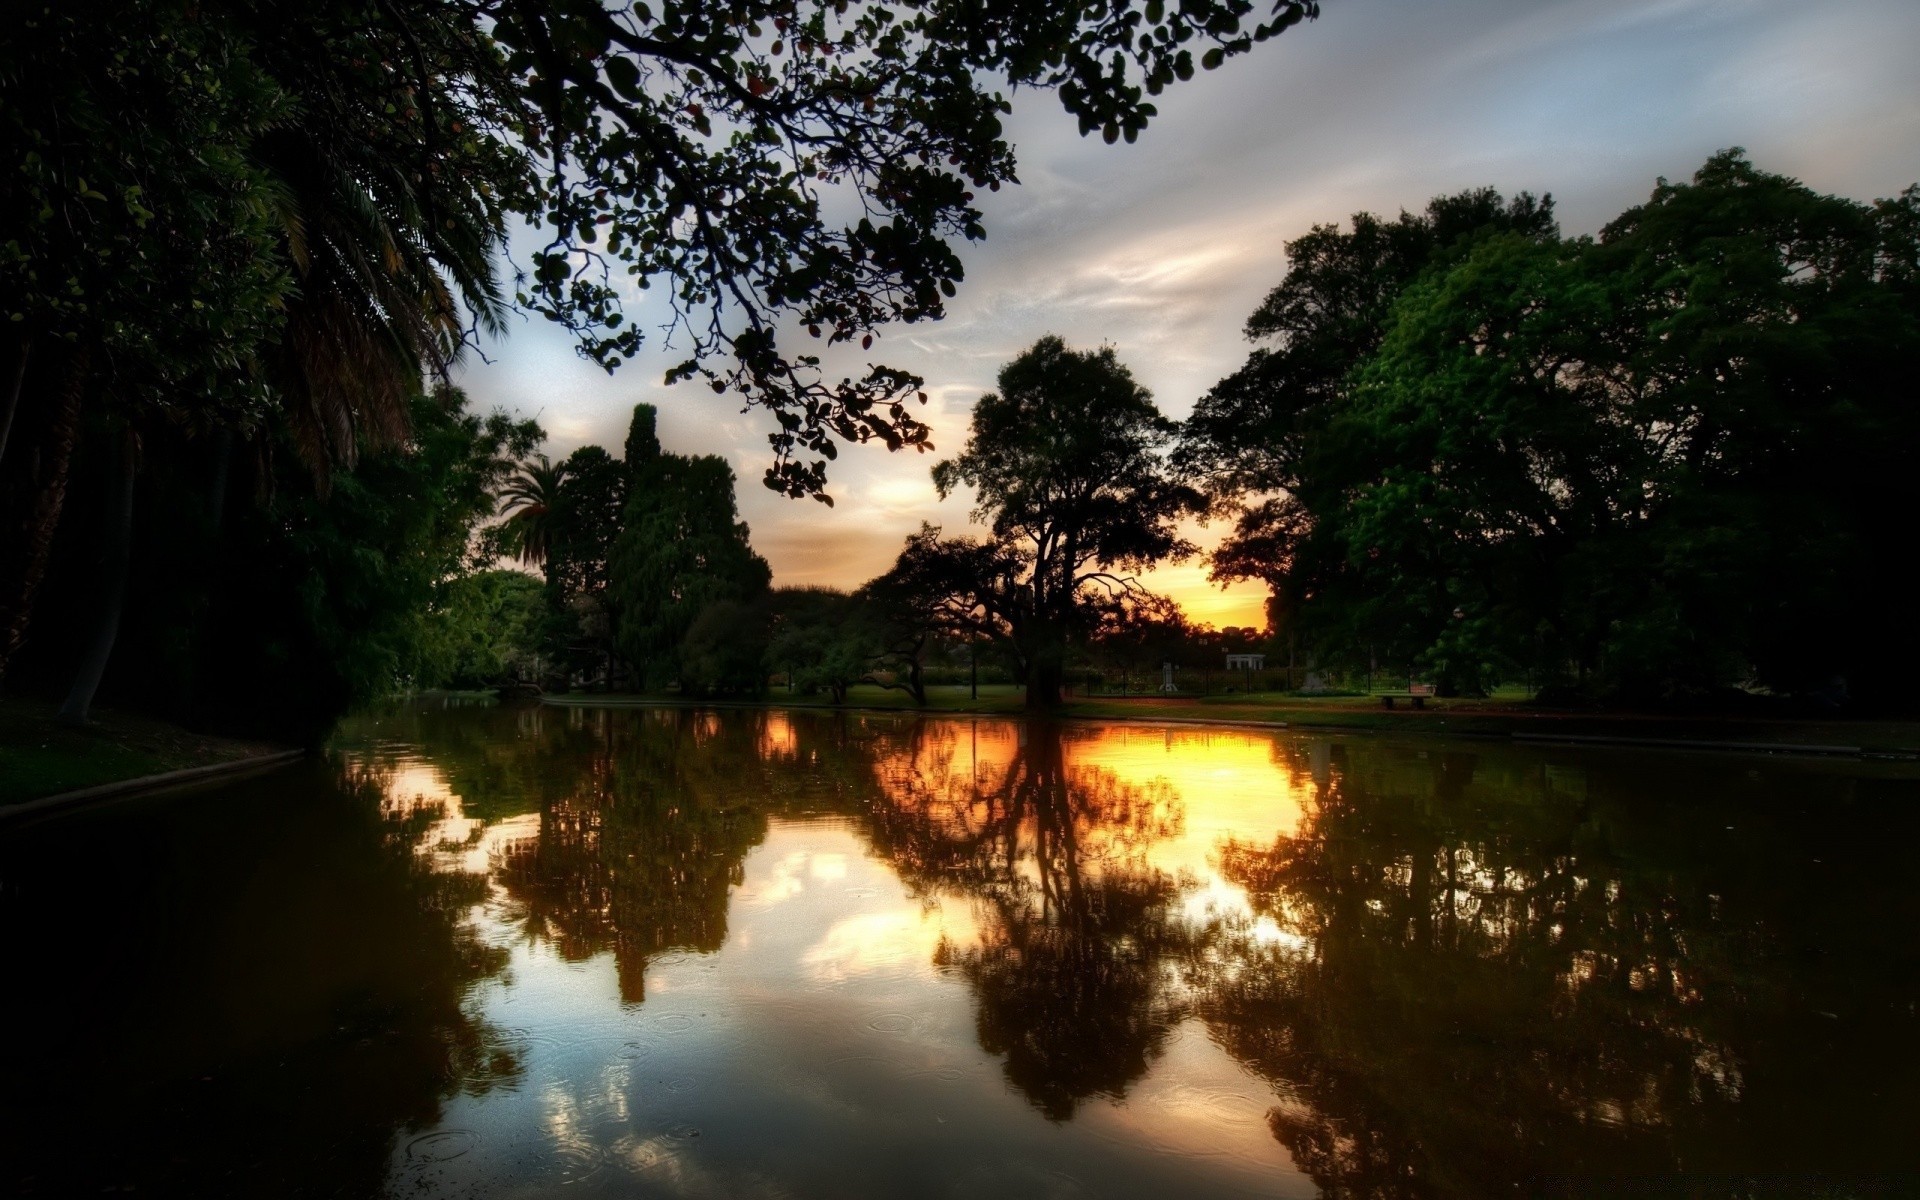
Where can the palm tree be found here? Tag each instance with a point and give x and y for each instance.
(529, 501)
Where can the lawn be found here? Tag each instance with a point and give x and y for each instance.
(41, 757)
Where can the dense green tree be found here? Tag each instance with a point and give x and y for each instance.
(113, 114)
(725, 649)
(484, 629)
(587, 510)
(1657, 461)
(1264, 438)
(681, 548)
(820, 640)
(313, 601)
(1067, 462)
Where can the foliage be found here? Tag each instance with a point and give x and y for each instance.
(528, 500)
(714, 149)
(484, 630)
(680, 549)
(820, 640)
(1659, 461)
(1068, 466)
(140, 236)
(586, 519)
(271, 607)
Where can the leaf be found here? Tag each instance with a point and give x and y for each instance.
(624, 74)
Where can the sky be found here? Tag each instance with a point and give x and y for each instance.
(1163, 248)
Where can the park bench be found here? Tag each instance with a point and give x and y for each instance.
(1416, 695)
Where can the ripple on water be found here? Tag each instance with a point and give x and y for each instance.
(683, 1132)
(1220, 1104)
(948, 1074)
(441, 1145)
(633, 1050)
(681, 1085)
(523, 1039)
(891, 1023)
(577, 1159)
(673, 1022)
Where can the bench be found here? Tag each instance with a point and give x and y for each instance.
(1415, 695)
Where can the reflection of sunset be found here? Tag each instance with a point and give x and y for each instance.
(457, 841)
(1228, 783)
(1162, 798)
(777, 738)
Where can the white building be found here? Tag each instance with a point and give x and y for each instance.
(1246, 662)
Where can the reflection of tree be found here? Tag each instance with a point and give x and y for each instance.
(263, 988)
(1071, 971)
(649, 824)
(500, 759)
(1483, 980)
(640, 857)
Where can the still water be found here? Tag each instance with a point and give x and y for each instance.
(499, 952)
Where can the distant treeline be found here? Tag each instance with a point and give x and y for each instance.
(1666, 464)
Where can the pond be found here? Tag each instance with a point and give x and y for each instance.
(498, 952)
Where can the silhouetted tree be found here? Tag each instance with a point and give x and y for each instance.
(1067, 465)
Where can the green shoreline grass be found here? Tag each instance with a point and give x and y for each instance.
(1498, 717)
(40, 757)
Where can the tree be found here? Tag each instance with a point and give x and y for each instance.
(1068, 465)
(483, 630)
(336, 181)
(707, 149)
(317, 601)
(1263, 440)
(681, 548)
(725, 648)
(529, 500)
(587, 512)
(819, 640)
(113, 114)
(1653, 464)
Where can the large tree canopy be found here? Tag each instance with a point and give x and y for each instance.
(266, 223)
(1659, 461)
(681, 551)
(805, 165)
(1067, 464)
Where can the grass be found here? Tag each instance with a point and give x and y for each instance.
(41, 757)
(1505, 714)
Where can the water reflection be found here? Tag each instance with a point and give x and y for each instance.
(686, 953)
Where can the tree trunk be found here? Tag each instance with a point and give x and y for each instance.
(11, 403)
(43, 516)
(1043, 681)
(113, 590)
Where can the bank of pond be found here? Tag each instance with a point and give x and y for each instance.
(486, 950)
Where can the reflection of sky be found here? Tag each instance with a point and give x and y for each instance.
(819, 1052)
(1164, 247)
(825, 1021)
